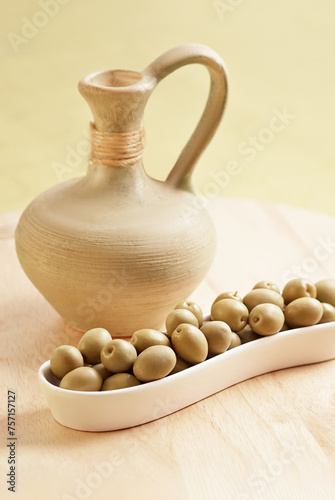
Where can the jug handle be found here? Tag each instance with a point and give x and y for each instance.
(181, 55)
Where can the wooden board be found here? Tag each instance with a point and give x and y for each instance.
(271, 437)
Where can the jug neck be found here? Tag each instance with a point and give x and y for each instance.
(117, 99)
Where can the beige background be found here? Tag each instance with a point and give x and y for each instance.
(280, 56)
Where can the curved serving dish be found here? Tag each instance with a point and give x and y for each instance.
(123, 408)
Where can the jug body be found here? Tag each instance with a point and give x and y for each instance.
(119, 263)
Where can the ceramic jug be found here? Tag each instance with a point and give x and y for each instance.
(116, 248)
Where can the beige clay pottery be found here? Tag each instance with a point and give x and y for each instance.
(116, 248)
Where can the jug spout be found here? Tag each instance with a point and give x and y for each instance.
(117, 98)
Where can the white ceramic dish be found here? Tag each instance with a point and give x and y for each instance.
(107, 411)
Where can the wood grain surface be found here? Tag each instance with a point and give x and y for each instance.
(271, 437)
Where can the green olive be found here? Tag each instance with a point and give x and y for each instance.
(235, 342)
(92, 342)
(266, 319)
(328, 314)
(64, 359)
(218, 335)
(250, 337)
(181, 365)
(268, 285)
(304, 311)
(189, 343)
(154, 363)
(194, 308)
(84, 378)
(263, 296)
(177, 317)
(118, 355)
(230, 311)
(298, 287)
(141, 339)
(119, 381)
(247, 335)
(245, 331)
(326, 291)
(227, 295)
(102, 370)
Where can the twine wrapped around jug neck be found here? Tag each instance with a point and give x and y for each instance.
(116, 149)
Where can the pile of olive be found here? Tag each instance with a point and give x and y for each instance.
(102, 363)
